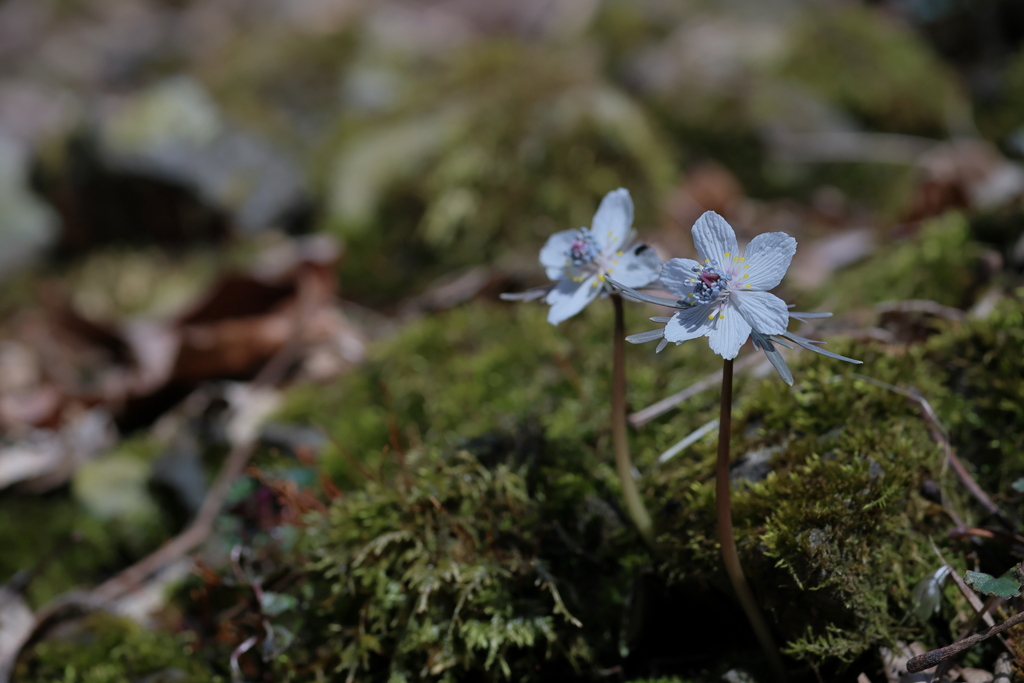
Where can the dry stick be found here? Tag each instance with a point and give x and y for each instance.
(939, 434)
(727, 538)
(642, 417)
(981, 612)
(930, 659)
(200, 528)
(630, 493)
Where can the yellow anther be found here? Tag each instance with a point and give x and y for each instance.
(711, 317)
(747, 287)
(746, 266)
(618, 253)
(746, 274)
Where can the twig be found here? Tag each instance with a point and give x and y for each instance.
(642, 417)
(687, 441)
(201, 527)
(981, 612)
(935, 657)
(994, 534)
(190, 538)
(941, 436)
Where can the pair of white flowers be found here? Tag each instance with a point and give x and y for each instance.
(724, 296)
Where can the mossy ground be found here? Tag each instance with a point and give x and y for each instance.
(836, 533)
(473, 455)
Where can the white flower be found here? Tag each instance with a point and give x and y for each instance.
(724, 296)
(580, 261)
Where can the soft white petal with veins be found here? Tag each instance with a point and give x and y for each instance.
(553, 253)
(675, 274)
(714, 238)
(728, 332)
(766, 313)
(613, 219)
(569, 298)
(688, 324)
(768, 257)
(637, 267)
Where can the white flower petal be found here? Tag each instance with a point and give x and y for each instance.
(728, 332)
(637, 267)
(774, 357)
(676, 272)
(644, 337)
(554, 255)
(613, 219)
(688, 324)
(569, 298)
(714, 238)
(766, 313)
(768, 256)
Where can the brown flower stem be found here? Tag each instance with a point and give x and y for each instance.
(630, 494)
(727, 538)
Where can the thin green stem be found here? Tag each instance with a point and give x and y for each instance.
(727, 538)
(630, 493)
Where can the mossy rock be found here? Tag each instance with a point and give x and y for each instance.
(834, 537)
(982, 365)
(839, 530)
(453, 569)
(444, 562)
(835, 534)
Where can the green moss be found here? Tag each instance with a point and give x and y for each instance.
(107, 649)
(488, 367)
(939, 264)
(983, 362)
(453, 568)
(837, 534)
(853, 457)
(862, 61)
(833, 538)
